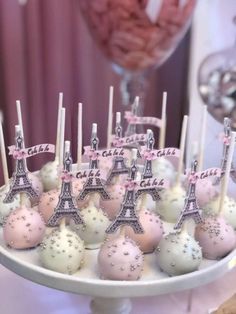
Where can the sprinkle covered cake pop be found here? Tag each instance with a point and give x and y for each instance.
(178, 253)
(215, 236)
(62, 250)
(121, 258)
(93, 232)
(47, 203)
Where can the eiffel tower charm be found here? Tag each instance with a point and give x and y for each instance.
(147, 169)
(20, 180)
(94, 184)
(118, 166)
(227, 132)
(127, 215)
(191, 209)
(66, 206)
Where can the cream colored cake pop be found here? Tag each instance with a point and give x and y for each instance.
(62, 250)
(163, 168)
(96, 222)
(178, 254)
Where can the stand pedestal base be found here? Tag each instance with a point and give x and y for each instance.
(110, 306)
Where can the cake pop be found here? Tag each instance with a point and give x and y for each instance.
(47, 203)
(94, 231)
(49, 173)
(24, 228)
(178, 254)
(172, 200)
(153, 231)
(62, 250)
(121, 258)
(215, 236)
(228, 211)
(163, 168)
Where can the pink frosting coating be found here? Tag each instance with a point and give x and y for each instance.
(47, 203)
(205, 191)
(112, 207)
(77, 186)
(216, 237)
(153, 231)
(120, 259)
(24, 228)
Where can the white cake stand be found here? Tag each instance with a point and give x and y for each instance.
(111, 297)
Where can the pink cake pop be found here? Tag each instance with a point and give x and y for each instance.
(153, 231)
(120, 259)
(24, 228)
(215, 236)
(111, 207)
(205, 191)
(47, 203)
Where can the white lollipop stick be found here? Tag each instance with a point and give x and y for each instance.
(202, 138)
(79, 136)
(110, 117)
(60, 102)
(162, 137)
(182, 148)
(225, 180)
(62, 137)
(20, 122)
(3, 155)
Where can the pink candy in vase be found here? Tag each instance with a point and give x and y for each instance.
(137, 34)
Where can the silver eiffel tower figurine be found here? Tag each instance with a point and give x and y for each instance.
(66, 206)
(227, 132)
(118, 166)
(94, 184)
(127, 214)
(147, 169)
(20, 180)
(191, 208)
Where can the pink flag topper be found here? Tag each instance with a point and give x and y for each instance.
(66, 176)
(210, 172)
(90, 173)
(152, 183)
(91, 153)
(133, 119)
(31, 151)
(128, 140)
(165, 152)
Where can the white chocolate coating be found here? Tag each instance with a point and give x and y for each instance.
(37, 186)
(229, 209)
(120, 259)
(94, 231)
(171, 203)
(62, 251)
(49, 175)
(178, 253)
(153, 231)
(6, 208)
(216, 237)
(24, 228)
(163, 169)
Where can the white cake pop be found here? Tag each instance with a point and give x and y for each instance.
(62, 251)
(178, 253)
(49, 175)
(96, 222)
(120, 259)
(153, 231)
(47, 203)
(6, 208)
(37, 186)
(163, 168)
(24, 228)
(228, 211)
(111, 207)
(216, 237)
(171, 203)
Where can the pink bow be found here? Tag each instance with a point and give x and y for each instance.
(192, 178)
(130, 117)
(18, 154)
(91, 153)
(224, 139)
(130, 185)
(66, 176)
(118, 142)
(149, 155)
